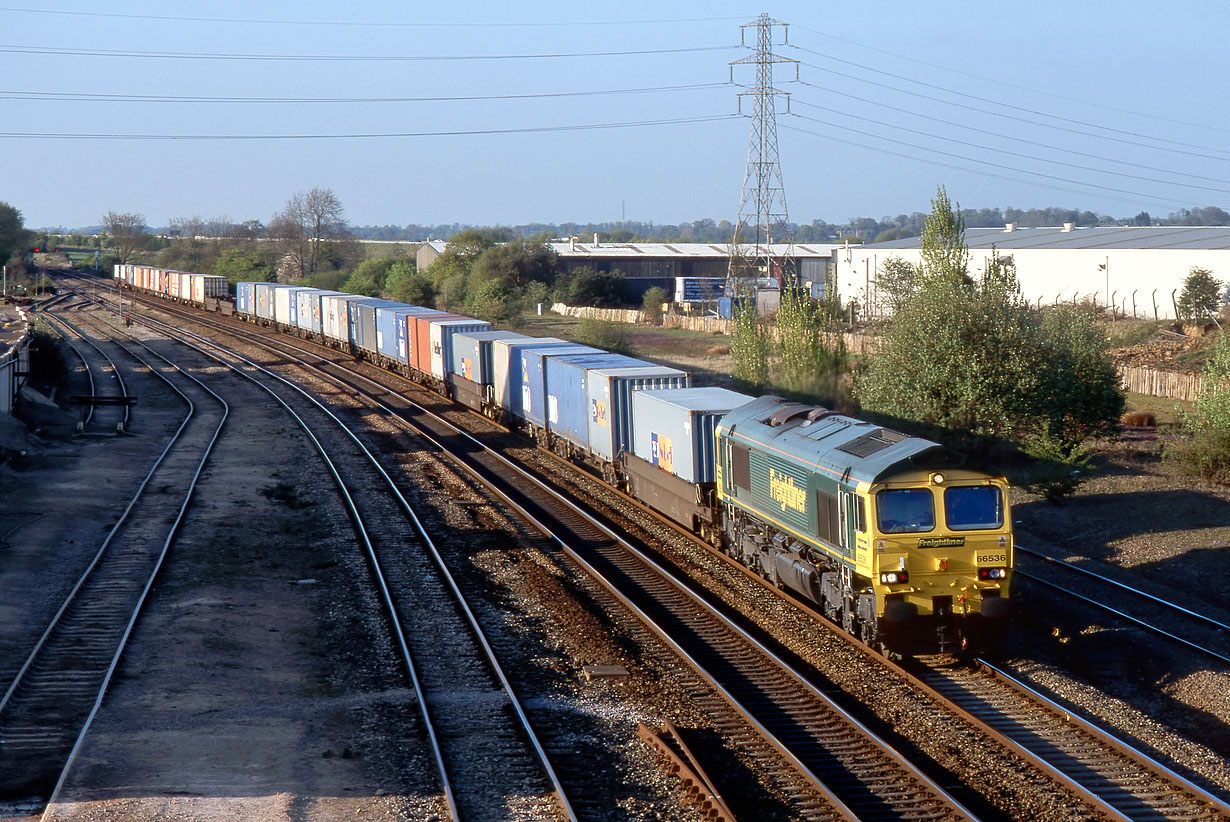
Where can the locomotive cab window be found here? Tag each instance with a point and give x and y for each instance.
(973, 508)
(905, 510)
(740, 467)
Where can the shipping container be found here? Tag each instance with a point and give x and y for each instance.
(363, 321)
(567, 408)
(534, 382)
(265, 299)
(610, 393)
(285, 305)
(418, 338)
(472, 355)
(335, 310)
(442, 332)
(204, 286)
(391, 330)
(676, 430)
(245, 298)
(308, 315)
(509, 370)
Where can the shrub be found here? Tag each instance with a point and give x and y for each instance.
(1206, 451)
(584, 286)
(605, 335)
(651, 305)
(1201, 297)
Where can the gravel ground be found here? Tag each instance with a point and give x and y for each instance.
(202, 710)
(245, 692)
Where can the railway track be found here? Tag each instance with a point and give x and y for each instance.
(1125, 783)
(107, 389)
(1156, 793)
(471, 716)
(832, 765)
(1159, 616)
(53, 694)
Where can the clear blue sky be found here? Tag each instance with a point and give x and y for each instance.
(1115, 108)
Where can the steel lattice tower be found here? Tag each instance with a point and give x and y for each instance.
(762, 207)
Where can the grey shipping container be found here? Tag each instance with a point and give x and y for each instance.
(611, 392)
(363, 321)
(472, 354)
(674, 430)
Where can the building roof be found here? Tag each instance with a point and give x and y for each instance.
(681, 250)
(1100, 237)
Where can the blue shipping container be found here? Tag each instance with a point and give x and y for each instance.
(532, 403)
(567, 408)
(610, 392)
(676, 430)
(391, 329)
(245, 298)
(363, 313)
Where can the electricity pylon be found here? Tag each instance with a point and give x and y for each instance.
(762, 207)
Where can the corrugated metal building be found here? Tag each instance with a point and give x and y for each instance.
(1112, 263)
(659, 264)
(648, 264)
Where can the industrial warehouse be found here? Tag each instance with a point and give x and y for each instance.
(1137, 270)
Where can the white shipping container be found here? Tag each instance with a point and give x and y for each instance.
(442, 342)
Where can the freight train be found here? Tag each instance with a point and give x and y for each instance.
(880, 530)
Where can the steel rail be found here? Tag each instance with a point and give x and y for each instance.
(89, 373)
(98, 554)
(1135, 621)
(1219, 804)
(1038, 761)
(114, 370)
(166, 546)
(658, 569)
(1221, 626)
(515, 701)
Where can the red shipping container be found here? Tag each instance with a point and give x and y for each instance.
(419, 353)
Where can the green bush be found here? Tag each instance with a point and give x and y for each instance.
(605, 335)
(48, 366)
(241, 265)
(584, 286)
(1205, 451)
(651, 305)
(1201, 297)
(1204, 454)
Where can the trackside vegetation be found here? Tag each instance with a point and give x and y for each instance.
(1205, 451)
(966, 354)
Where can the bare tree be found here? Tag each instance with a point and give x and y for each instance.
(302, 228)
(125, 233)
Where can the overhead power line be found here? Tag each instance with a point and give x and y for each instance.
(1016, 118)
(1021, 155)
(359, 58)
(368, 23)
(1049, 186)
(83, 97)
(1014, 138)
(847, 129)
(52, 135)
(1011, 106)
(1006, 84)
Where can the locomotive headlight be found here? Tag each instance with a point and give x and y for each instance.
(894, 577)
(937, 478)
(992, 573)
